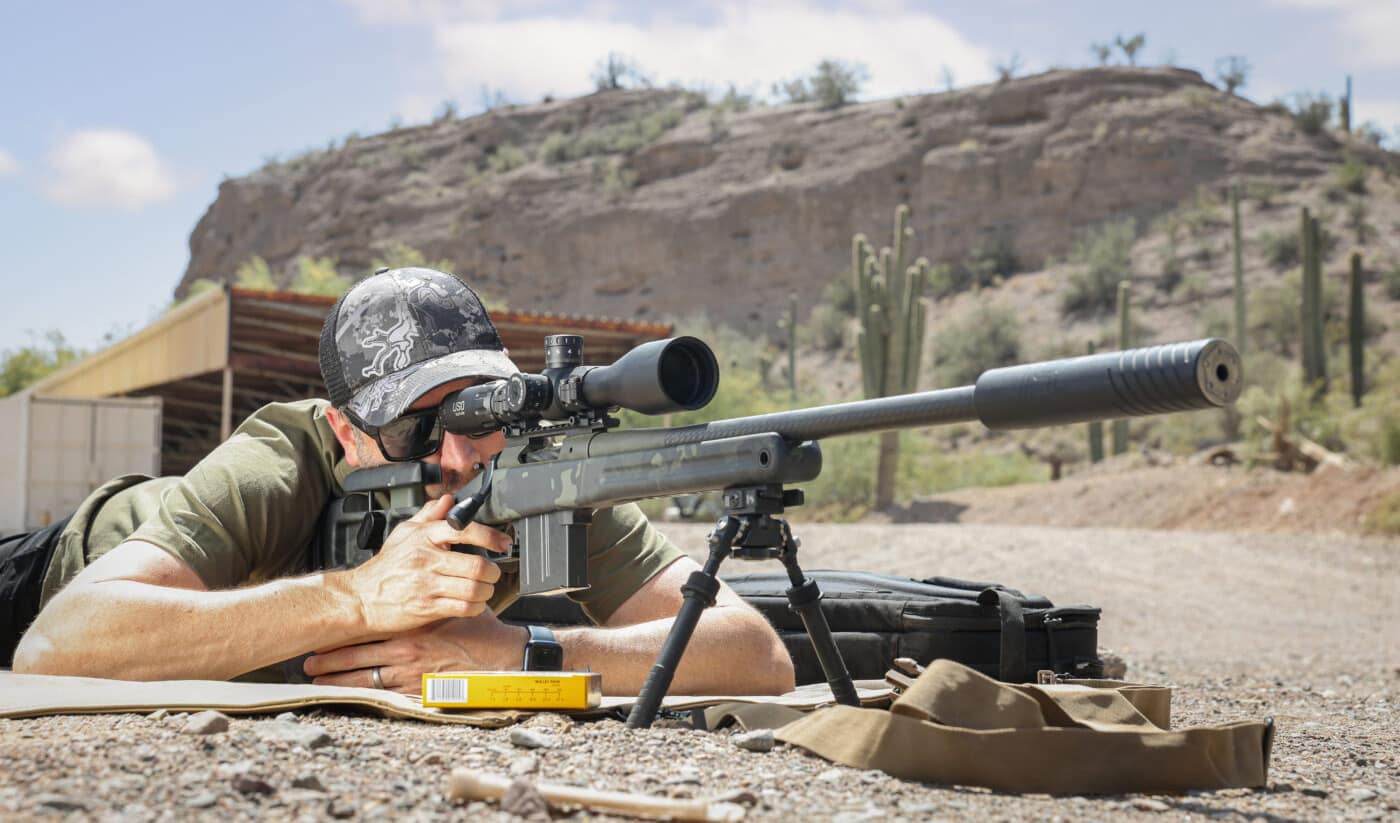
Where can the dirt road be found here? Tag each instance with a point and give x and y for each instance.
(1298, 627)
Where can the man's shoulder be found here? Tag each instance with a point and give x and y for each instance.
(293, 415)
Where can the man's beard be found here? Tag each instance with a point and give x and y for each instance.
(452, 481)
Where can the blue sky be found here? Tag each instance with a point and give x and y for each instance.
(118, 120)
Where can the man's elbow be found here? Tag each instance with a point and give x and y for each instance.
(772, 665)
(36, 654)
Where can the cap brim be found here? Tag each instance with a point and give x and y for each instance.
(390, 396)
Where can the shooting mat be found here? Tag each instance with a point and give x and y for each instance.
(33, 695)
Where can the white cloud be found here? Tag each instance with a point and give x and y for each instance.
(1370, 29)
(539, 51)
(8, 164)
(108, 168)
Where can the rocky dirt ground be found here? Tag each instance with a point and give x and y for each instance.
(1245, 625)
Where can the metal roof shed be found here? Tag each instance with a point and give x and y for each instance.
(222, 354)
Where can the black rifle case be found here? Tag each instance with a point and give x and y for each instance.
(875, 618)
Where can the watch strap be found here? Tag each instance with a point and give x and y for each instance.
(542, 650)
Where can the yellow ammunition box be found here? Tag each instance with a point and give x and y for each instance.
(513, 690)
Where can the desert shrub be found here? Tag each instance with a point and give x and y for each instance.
(991, 255)
(618, 71)
(1350, 177)
(402, 256)
(1261, 192)
(624, 138)
(1357, 219)
(506, 158)
(833, 84)
(27, 365)
(554, 148)
(825, 328)
(1232, 71)
(1385, 515)
(200, 286)
(845, 490)
(1216, 320)
(985, 338)
(1098, 261)
(319, 275)
(1202, 212)
(254, 273)
(1281, 249)
(618, 179)
(1312, 112)
(1192, 287)
(1391, 280)
(1274, 313)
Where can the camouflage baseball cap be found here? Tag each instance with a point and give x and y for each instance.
(399, 334)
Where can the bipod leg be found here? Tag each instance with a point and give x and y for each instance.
(805, 598)
(699, 590)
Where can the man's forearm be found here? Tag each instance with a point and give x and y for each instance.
(733, 651)
(138, 631)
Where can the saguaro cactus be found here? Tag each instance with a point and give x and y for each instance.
(1356, 330)
(1344, 108)
(1095, 431)
(1241, 330)
(1314, 343)
(891, 319)
(1120, 427)
(792, 344)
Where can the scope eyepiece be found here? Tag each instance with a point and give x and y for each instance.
(678, 374)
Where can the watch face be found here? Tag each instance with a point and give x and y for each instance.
(545, 657)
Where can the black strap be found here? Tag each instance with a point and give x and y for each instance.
(1013, 633)
(24, 559)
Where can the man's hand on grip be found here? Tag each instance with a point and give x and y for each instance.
(416, 578)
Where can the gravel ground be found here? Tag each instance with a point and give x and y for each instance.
(1245, 625)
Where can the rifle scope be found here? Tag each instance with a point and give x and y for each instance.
(676, 374)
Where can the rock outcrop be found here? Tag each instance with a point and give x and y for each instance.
(730, 210)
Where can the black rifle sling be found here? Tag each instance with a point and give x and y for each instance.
(1013, 632)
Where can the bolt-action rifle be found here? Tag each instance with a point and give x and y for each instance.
(563, 459)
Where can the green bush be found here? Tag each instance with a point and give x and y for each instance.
(1202, 212)
(832, 84)
(1312, 113)
(985, 338)
(1385, 515)
(1350, 177)
(1261, 192)
(825, 328)
(1391, 280)
(1281, 249)
(1099, 260)
(254, 273)
(845, 490)
(992, 255)
(403, 256)
(27, 365)
(319, 275)
(506, 158)
(625, 138)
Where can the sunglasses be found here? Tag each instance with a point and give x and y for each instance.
(411, 436)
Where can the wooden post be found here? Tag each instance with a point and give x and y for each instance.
(1120, 427)
(226, 410)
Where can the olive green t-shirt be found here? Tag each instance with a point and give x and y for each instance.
(248, 513)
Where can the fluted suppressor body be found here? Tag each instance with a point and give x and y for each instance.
(1153, 380)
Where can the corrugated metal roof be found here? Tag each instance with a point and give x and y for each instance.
(223, 354)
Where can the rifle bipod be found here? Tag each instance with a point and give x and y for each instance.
(748, 531)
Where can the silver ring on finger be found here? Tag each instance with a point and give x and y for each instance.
(375, 676)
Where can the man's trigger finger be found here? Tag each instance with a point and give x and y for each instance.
(433, 510)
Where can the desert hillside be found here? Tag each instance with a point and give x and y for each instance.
(651, 202)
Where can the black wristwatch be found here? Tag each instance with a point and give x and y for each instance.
(542, 652)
